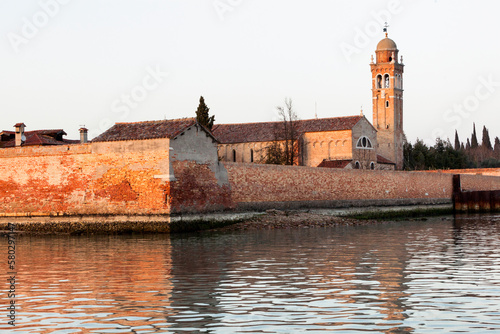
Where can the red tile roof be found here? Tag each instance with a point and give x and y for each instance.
(334, 163)
(269, 131)
(36, 138)
(382, 160)
(146, 130)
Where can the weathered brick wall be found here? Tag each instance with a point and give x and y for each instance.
(197, 189)
(75, 179)
(475, 171)
(132, 178)
(252, 183)
(114, 178)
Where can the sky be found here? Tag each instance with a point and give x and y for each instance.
(73, 63)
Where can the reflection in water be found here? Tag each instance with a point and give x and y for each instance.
(426, 277)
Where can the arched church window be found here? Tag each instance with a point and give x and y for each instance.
(372, 165)
(234, 155)
(357, 165)
(387, 104)
(386, 81)
(251, 155)
(379, 81)
(364, 142)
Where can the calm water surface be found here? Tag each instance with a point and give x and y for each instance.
(434, 276)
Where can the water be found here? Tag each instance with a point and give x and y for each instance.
(430, 276)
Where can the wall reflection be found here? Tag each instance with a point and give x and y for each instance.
(388, 277)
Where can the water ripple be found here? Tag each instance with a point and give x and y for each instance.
(425, 277)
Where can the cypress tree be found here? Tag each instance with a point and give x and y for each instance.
(486, 139)
(497, 146)
(467, 146)
(202, 115)
(473, 140)
(457, 141)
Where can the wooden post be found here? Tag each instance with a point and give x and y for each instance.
(457, 190)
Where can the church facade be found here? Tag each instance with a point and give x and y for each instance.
(339, 142)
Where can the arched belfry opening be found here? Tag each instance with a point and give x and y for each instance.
(387, 81)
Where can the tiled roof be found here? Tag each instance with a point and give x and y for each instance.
(334, 163)
(269, 131)
(36, 138)
(146, 130)
(382, 160)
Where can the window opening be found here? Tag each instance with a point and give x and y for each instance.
(364, 142)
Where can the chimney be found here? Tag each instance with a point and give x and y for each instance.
(83, 135)
(20, 138)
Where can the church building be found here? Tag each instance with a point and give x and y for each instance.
(339, 142)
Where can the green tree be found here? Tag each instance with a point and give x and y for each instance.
(408, 162)
(440, 156)
(486, 139)
(473, 140)
(420, 155)
(202, 115)
(497, 147)
(274, 154)
(457, 141)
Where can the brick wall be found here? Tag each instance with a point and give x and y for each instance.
(197, 189)
(83, 179)
(475, 171)
(114, 178)
(253, 184)
(132, 178)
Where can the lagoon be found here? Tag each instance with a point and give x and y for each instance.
(420, 276)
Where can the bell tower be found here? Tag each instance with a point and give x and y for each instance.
(387, 94)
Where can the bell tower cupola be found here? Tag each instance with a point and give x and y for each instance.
(387, 94)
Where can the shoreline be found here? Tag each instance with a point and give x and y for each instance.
(278, 219)
(224, 221)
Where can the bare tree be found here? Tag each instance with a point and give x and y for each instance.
(289, 120)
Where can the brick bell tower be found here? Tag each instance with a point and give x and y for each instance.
(387, 93)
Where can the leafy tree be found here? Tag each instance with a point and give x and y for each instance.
(274, 154)
(473, 140)
(486, 139)
(407, 156)
(202, 115)
(440, 156)
(490, 163)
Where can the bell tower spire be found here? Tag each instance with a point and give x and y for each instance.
(387, 94)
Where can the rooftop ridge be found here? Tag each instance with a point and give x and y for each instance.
(160, 120)
(298, 120)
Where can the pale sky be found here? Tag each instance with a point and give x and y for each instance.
(68, 63)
